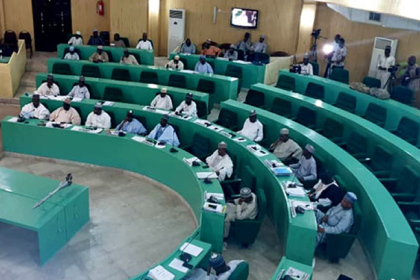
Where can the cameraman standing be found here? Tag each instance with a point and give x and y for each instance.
(411, 78)
(385, 64)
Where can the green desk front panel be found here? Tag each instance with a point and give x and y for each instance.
(385, 233)
(395, 110)
(135, 93)
(285, 264)
(297, 234)
(251, 74)
(146, 56)
(224, 87)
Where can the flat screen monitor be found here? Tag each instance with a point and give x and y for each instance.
(244, 18)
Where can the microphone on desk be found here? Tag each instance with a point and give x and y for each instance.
(185, 257)
(173, 150)
(291, 184)
(207, 180)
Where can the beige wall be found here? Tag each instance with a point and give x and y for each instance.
(18, 16)
(359, 40)
(279, 21)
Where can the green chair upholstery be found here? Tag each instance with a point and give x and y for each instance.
(357, 145)
(120, 74)
(402, 94)
(372, 82)
(315, 91)
(255, 98)
(149, 77)
(228, 119)
(333, 130)
(339, 245)
(234, 71)
(233, 186)
(137, 56)
(306, 117)
(202, 110)
(340, 75)
(177, 81)
(286, 83)
(205, 86)
(380, 162)
(246, 231)
(411, 211)
(113, 121)
(91, 71)
(241, 272)
(126, 41)
(315, 67)
(200, 147)
(376, 114)
(110, 58)
(66, 50)
(61, 69)
(346, 102)
(282, 107)
(185, 62)
(408, 130)
(406, 186)
(113, 94)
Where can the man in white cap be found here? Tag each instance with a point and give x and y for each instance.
(260, 46)
(80, 90)
(99, 56)
(222, 269)
(337, 220)
(305, 66)
(231, 54)
(285, 149)
(128, 58)
(220, 162)
(305, 169)
(162, 100)
(202, 66)
(131, 125)
(187, 107)
(98, 118)
(164, 132)
(35, 110)
(242, 208)
(253, 128)
(385, 63)
(76, 40)
(72, 54)
(175, 64)
(95, 40)
(48, 88)
(144, 44)
(66, 114)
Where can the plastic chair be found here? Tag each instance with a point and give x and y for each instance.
(113, 94)
(346, 102)
(282, 107)
(306, 117)
(408, 130)
(120, 74)
(315, 91)
(177, 81)
(372, 82)
(402, 94)
(228, 119)
(25, 35)
(200, 147)
(380, 163)
(255, 98)
(405, 187)
(376, 114)
(286, 83)
(148, 77)
(91, 71)
(234, 71)
(10, 40)
(61, 69)
(340, 75)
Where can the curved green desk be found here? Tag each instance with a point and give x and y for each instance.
(395, 110)
(224, 87)
(146, 56)
(385, 233)
(297, 235)
(135, 93)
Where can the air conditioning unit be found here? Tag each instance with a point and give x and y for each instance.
(176, 29)
(379, 46)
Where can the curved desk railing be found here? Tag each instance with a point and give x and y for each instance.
(224, 87)
(146, 56)
(385, 233)
(131, 92)
(125, 153)
(297, 235)
(395, 111)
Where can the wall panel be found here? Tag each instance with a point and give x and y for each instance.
(18, 16)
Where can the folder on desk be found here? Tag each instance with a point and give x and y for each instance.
(209, 175)
(191, 249)
(160, 273)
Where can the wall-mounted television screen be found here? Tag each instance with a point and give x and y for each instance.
(244, 18)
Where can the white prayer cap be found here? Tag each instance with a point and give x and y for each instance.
(176, 57)
(78, 33)
(95, 30)
(306, 55)
(71, 48)
(351, 197)
(262, 36)
(310, 148)
(208, 41)
(245, 192)
(164, 90)
(284, 131)
(98, 105)
(252, 113)
(100, 47)
(222, 145)
(67, 100)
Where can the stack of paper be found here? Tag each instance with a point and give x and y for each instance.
(14, 119)
(305, 205)
(296, 274)
(191, 249)
(178, 265)
(227, 134)
(109, 103)
(202, 122)
(298, 191)
(209, 175)
(88, 130)
(160, 273)
(143, 140)
(219, 196)
(77, 99)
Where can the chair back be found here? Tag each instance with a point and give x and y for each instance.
(255, 98)
(149, 77)
(200, 145)
(137, 56)
(202, 110)
(409, 180)
(340, 75)
(61, 69)
(357, 216)
(402, 94)
(315, 67)
(25, 35)
(332, 129)
(306, 116)
(381, 159)
(248, 178)
(262, 204)
(372, 82)
(346, 102)
(262, 57)
(357, 143)
(315, 91)
(286, 83)
(177, 81)
(282, 107)
(10, 37)
(227, 118)
(91, 71)
(279, 54)
(205, 86)
(126, 41)
(120, 74)
(241, 54)
(113, 94)
(376, 114)
(408, 130)
(105, 37)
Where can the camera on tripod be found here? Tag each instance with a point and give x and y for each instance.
(315, 33)
(393, 69)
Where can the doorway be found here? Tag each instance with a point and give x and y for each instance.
(52, 23)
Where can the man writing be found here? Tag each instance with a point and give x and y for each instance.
(164, 133)
(187, 107)
(35, 110)
(285, 149)
(66, 114)
(128, 58)
(175, 64)
(220, 162)
(131, 125)
(162, 100)
(98, 118)
(253, 128)
(49, 88)
(99, 56)
(80, 90)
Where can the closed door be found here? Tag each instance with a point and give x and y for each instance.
(52, 23)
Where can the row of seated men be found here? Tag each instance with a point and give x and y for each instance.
(338, 218)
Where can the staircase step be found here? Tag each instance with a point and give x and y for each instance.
(28, 79)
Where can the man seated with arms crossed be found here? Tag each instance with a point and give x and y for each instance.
(162, 100)
(305, 169)
(253, 128)
(131, 125)
(187, 107)
(165, 133)
(285, 149)
(202, 66)
(66, 114)
(72, 54)
(80, 90)
(98, 118)
(326, 192)
(35, 110)
(49, 88)
(217, 262)
(128, 58)
(337, 220)
(306, 68)
(99, 56)
(175, 64)
(220, 162)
